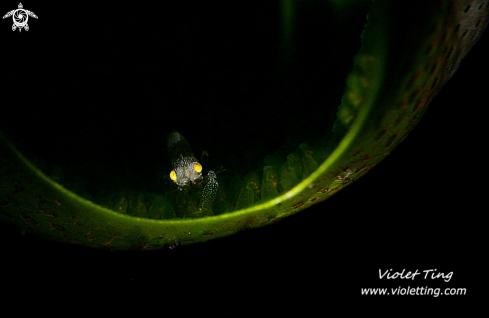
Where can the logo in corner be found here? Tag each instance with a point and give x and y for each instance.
(20, 17)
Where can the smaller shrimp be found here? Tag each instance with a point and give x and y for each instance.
(209, 193)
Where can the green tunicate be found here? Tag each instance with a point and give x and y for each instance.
(288, 177)
(269, 183)
(140, 209)
(121, 203)
(161, 208)
(350, 90)
(309, 165)
(249, 192)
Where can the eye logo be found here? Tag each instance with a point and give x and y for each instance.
(20, 17)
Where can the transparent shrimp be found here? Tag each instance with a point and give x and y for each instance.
(209, 194)
(187, 173)
(186, 168)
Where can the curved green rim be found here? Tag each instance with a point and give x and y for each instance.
(387, 92)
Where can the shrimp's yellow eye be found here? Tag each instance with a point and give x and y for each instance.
(173, 176)
(197, 167)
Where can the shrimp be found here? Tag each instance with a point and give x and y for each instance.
(186, 168)
(187, 171)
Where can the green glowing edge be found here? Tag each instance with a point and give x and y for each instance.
(368, 138)
(152, 233)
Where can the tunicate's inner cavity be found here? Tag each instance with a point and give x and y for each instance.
(260, 101)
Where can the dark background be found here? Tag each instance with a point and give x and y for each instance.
(421, 208)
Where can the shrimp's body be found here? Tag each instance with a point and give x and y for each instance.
(187, 171)
(186, 168)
